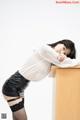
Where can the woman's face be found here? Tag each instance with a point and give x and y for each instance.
(61, 48)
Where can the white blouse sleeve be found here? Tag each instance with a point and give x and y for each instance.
(69, 63)
(48, 54)
(51, 55)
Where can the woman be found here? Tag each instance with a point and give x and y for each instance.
(36, 68)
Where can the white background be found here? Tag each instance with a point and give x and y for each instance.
(24, 26)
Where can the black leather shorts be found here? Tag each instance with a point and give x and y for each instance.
(15, 85)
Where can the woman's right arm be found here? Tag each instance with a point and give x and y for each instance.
(51, 56)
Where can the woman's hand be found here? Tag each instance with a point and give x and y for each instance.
(61, 57)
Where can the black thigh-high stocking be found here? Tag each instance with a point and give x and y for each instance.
(20, 115)
(17, 107)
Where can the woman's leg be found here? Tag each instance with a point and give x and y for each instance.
(17, 107)
(20, 115)
(13, 91)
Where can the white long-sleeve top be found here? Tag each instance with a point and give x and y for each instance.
(39, 64)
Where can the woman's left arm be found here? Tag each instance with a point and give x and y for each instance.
(52, 56)
(68, 62)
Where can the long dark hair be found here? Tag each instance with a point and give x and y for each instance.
(68, 44)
